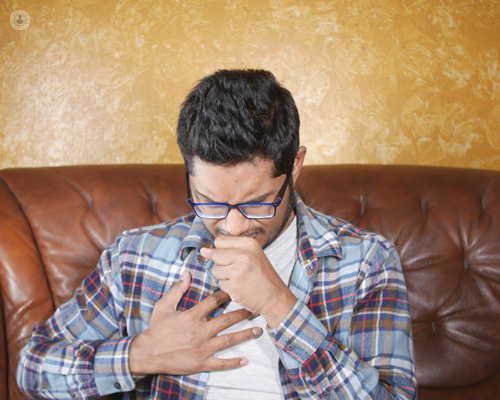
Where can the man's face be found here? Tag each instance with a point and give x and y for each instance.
(243, 183)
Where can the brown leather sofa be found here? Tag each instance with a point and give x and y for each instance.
(445, 223)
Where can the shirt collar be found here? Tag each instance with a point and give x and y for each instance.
(316, 237)
(197, 237)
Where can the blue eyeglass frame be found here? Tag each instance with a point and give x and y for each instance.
(231, 206)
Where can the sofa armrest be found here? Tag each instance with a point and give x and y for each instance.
(3, 355)
(23, 285)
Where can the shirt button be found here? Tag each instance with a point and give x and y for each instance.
(326, 393)
(117, 385)
(73, 395)
(290, 346)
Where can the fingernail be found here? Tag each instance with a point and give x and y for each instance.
(255, 314)
(243, 362)
(183, 276)
(256, 331)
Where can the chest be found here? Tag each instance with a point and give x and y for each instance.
(330, 294)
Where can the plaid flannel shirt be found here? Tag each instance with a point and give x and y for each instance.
(347, 337)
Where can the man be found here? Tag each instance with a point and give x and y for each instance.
(252, 296)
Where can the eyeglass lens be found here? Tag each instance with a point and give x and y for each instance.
(249, 211)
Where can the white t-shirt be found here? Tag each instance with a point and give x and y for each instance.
(259, 379)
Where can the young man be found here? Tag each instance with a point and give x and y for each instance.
(252, 296)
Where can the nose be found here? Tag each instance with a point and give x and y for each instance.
(235, 223)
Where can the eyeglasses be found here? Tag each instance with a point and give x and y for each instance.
(249, 210)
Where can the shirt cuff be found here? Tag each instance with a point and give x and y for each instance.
(298, 336)
(111, 367)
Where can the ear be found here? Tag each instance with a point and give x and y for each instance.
(298, 162)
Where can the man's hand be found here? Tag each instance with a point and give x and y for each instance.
(182, 343)
(245, 273)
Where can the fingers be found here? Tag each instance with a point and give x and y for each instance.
(207, 305)
(223, 342)
(207, 253)
(224, 321)
(227, 256)
(221, 272)
(220, 343)
(220, 364)
(232, 242)
(174, 295)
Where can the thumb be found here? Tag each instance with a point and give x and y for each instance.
(170, 301)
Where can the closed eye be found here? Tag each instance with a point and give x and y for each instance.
(259, 199)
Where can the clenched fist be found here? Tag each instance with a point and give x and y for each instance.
(247, 276)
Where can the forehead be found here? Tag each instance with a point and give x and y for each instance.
(234, 183)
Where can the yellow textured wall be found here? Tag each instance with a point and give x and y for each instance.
(376, 81)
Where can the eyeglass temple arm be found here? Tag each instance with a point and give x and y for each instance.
(187, 187)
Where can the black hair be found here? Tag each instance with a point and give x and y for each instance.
(234, 116)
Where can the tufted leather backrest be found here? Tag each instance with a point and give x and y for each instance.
(445, 223)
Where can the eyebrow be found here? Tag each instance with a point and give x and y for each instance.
(254, 200)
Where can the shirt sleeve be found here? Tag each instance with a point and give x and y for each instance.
(82, 351)
(378, 360)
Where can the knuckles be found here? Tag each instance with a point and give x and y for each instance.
(214, 300)
(246, 258)
(229, 341)
(220, 366)
(218, 298)
(227, 319)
